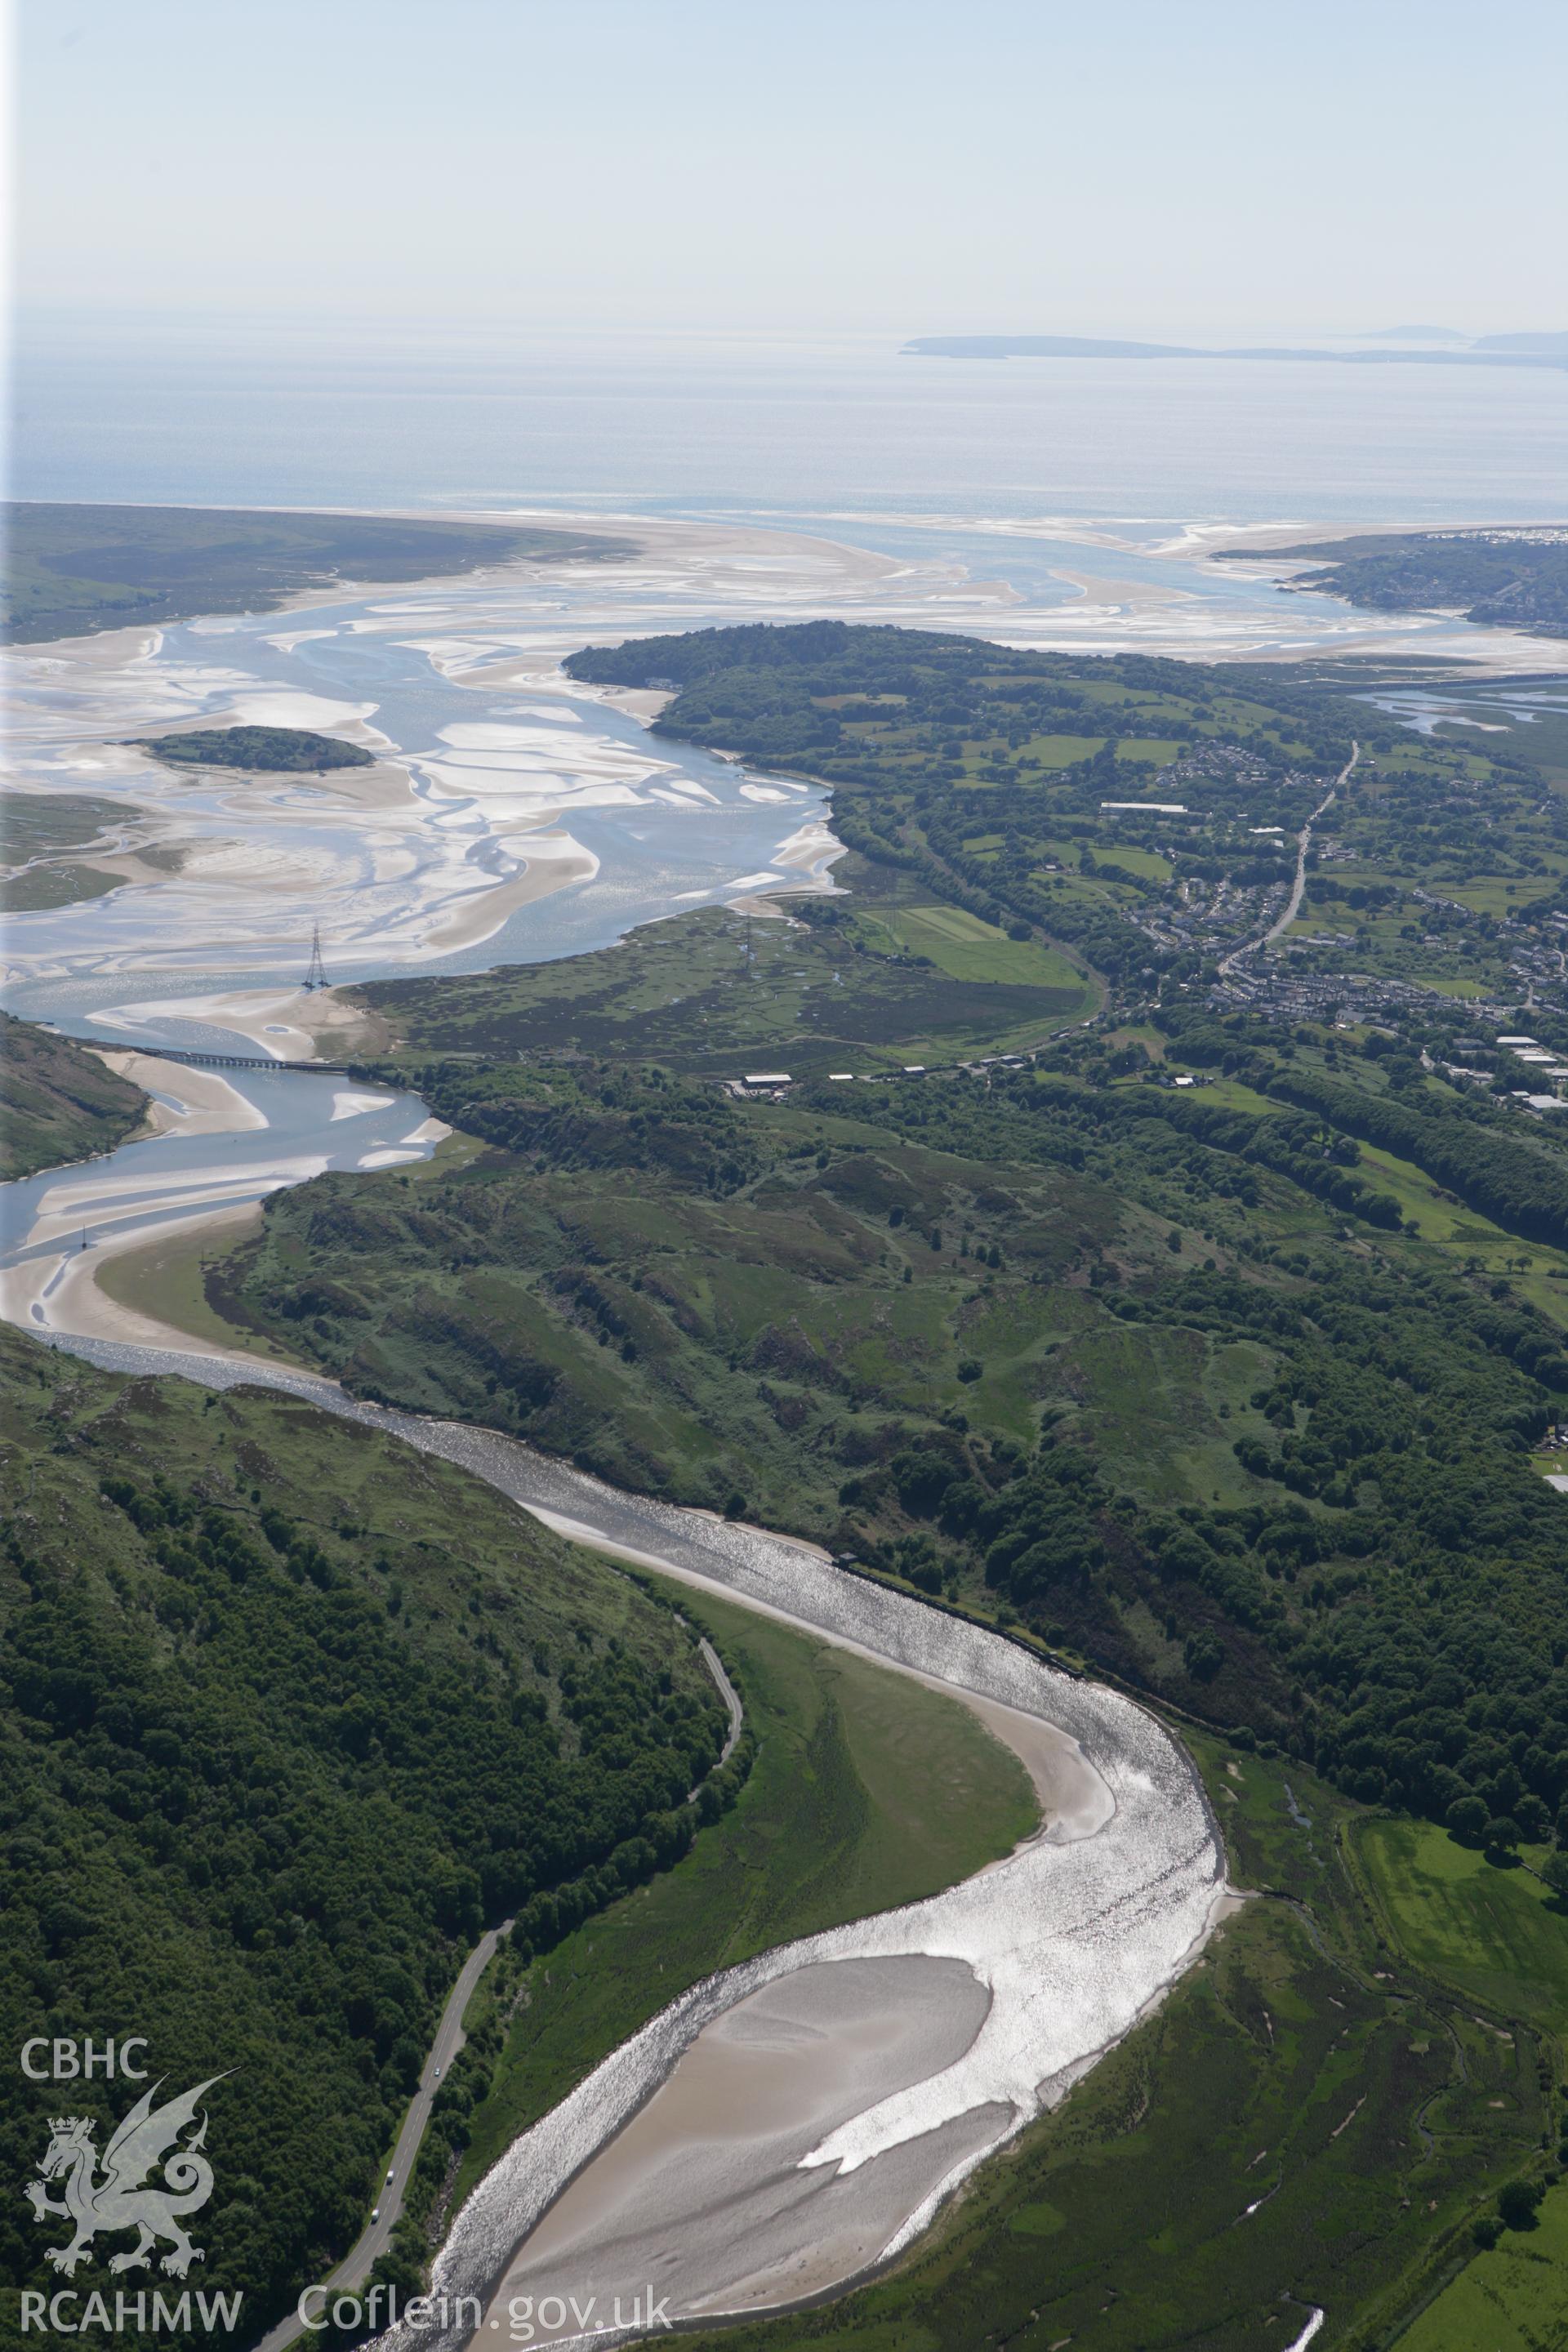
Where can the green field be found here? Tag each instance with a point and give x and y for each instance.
(966, 949)
(165, 1279)
(1513, 2299)
(1497, 1933)
(719, 993)
(868, 1791)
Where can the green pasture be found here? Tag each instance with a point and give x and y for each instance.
(959, 943)
(1511, 2299)
(1495, 1932)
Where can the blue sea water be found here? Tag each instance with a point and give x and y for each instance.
(792, 431)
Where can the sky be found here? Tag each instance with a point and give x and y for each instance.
(1203, 169)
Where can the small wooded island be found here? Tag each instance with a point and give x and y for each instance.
(278, 749)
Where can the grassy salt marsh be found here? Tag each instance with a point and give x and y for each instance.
(867, 1791)
(1307, 2115)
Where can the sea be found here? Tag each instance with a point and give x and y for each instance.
(798, 432)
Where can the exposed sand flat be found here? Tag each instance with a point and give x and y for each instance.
(554, 861)
(1075, 1937)
(212, 1157)
(486, 665)
(105, 649)
(713, 2160)
(1263, 537)
(1118, 592)
(346, 1103)
(64, 1294)
(410, 859)
(203, 1103)
(127, 865)
(292, 1024)
(320, 714)
(812, 849)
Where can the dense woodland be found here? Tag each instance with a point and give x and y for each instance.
(262, 1705)
(1507, 579)
(666, 1287)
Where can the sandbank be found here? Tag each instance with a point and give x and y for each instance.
(77, 1303)
(203, 1102)
(703, 2190)
(292, 1024)
(1116, 593)
(478, 917)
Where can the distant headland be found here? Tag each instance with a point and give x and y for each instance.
(1534, 350)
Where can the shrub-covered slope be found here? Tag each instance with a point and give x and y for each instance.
(1087, 1354)
(57, 1102)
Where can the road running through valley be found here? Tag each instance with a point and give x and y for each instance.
(351, 2273)
(1303, 843)
(862, 2073)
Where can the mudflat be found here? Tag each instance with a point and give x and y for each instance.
(704, 2196)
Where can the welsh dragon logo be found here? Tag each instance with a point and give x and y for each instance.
(148, 2136)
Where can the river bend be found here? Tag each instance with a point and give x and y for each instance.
(1017, 1980)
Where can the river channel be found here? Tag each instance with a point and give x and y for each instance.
(791, 2124)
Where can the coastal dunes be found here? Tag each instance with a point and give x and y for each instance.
(88, 567)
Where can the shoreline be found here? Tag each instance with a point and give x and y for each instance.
(718, 551)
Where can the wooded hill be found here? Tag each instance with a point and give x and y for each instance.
(288, 1713)
(1078, 1348)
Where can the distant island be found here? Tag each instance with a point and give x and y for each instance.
(279, 750)
(72, 569)
(1416, 335)
(1552, 346)
(1490, 351)
(1512, 578)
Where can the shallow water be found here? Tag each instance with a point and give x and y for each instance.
(58, 1226)
(982, 488)
(477, 786)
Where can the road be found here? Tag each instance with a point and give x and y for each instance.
(355, 2268)
(731, 1699)
(1303, 843)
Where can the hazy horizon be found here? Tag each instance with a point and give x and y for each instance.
(1212, 175)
